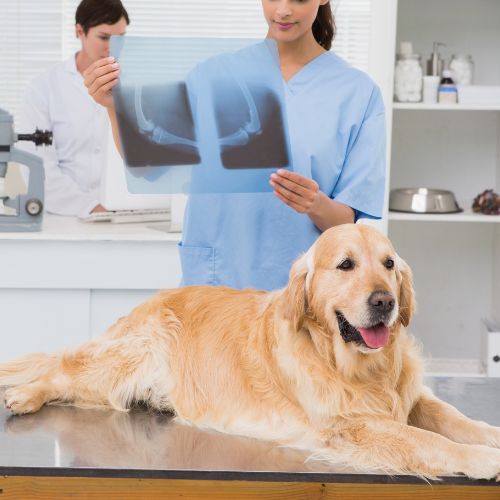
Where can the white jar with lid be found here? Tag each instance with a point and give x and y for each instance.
(408, 75)
(462, 67)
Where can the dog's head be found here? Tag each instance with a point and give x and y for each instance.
(354, 285)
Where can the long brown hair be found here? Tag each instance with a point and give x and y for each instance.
(324, 28)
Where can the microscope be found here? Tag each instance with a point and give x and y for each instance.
(22, 211)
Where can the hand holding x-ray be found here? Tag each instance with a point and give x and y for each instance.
(298, 192)
(100, 78)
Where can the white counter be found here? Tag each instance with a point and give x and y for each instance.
(67, 283)
(58, 228)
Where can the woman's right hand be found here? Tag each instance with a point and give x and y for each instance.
(100, 78)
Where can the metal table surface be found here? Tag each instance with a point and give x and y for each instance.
(65, 441)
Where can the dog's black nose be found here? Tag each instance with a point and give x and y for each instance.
(381, 302)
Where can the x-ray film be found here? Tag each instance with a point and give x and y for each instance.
(200, 115)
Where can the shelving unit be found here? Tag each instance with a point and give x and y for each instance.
(455, 257)
(445, 107)
(465, 216)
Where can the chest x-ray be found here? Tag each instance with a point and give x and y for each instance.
(200, 115)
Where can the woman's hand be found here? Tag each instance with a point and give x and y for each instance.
(298, 192)
(304, 196)
(99, 78)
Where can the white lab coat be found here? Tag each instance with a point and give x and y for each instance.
(58, 100)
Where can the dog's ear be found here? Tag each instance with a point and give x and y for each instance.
(407, 302)
(295, 293)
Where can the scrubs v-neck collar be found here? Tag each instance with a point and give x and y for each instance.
(298, 82)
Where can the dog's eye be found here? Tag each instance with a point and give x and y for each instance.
(389, 263)
(346, 265)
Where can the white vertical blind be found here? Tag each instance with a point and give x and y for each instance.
(237, 19)
(42, 32)
(353, 31)
(30, 41)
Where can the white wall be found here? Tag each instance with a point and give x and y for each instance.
(452, 268)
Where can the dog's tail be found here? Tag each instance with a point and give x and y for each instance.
(26, 369)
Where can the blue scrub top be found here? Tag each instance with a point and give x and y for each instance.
(337, 133)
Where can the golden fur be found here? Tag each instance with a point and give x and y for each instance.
(275, 366)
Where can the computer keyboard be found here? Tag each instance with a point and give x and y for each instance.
(124, 216)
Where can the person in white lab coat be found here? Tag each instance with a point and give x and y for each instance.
(58, 100)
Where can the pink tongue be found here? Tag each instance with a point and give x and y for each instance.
(375, 337)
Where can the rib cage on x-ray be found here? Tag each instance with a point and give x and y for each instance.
(250, 130)
(157, 133)
(250, 126)
(157, 128)
(160, 135)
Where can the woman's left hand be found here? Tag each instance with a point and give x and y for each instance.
(298, 192)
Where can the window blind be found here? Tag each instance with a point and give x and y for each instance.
(42, 32)
(237, 19)
(30, 42)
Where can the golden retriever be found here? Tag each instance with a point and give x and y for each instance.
(324, 364)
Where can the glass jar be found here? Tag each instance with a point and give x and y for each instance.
(408, 78)
(462, 67)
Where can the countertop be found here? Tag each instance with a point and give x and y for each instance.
(70, 442)
(60, 228)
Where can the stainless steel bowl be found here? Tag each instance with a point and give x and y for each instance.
(423, 201)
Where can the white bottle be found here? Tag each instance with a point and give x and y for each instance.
(408, 75)
(462, 67)
(448, 93)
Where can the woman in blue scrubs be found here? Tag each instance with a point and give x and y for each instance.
(337, 134)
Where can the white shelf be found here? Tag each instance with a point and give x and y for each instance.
(450, 367)
(445, 107)
(466, 216)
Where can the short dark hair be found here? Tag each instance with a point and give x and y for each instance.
(91, 13)
(324, 29)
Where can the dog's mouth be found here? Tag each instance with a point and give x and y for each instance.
(375, 337)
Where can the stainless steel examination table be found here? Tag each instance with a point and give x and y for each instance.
(63, 452)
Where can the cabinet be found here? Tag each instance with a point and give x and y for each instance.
(455, 258)
(71, 281)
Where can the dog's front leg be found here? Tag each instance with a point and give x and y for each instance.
(386, 445)
(434, 415)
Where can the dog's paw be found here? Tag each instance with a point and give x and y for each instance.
(23, 399)
(484, 463)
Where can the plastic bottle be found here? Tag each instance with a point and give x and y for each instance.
(435, 64)
(448, 93)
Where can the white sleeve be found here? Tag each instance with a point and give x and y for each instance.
(63, 196)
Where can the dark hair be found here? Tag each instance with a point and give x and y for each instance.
(91, 13)
(324, 28)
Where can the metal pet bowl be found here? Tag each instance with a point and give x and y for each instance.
(423, 201)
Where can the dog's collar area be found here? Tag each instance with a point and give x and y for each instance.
(350, 333)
